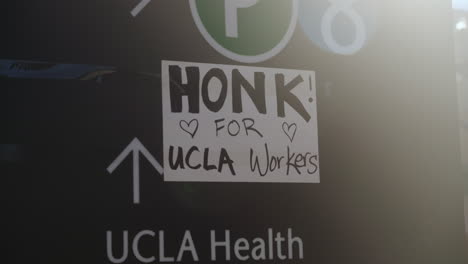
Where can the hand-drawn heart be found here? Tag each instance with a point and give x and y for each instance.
(290, 130)
(190, 128)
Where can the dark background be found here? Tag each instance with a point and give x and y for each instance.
(391, 189)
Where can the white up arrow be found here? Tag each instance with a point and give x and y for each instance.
(136, 148)
(135, 11)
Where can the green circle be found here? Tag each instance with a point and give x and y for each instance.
(261, 28)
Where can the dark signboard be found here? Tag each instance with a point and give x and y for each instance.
(243, 131)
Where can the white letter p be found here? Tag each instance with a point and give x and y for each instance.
(230, 7)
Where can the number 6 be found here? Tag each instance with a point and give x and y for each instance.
(345, 7)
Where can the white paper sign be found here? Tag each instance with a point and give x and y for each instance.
(226, 123)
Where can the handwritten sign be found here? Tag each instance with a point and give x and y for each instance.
(227, 123)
